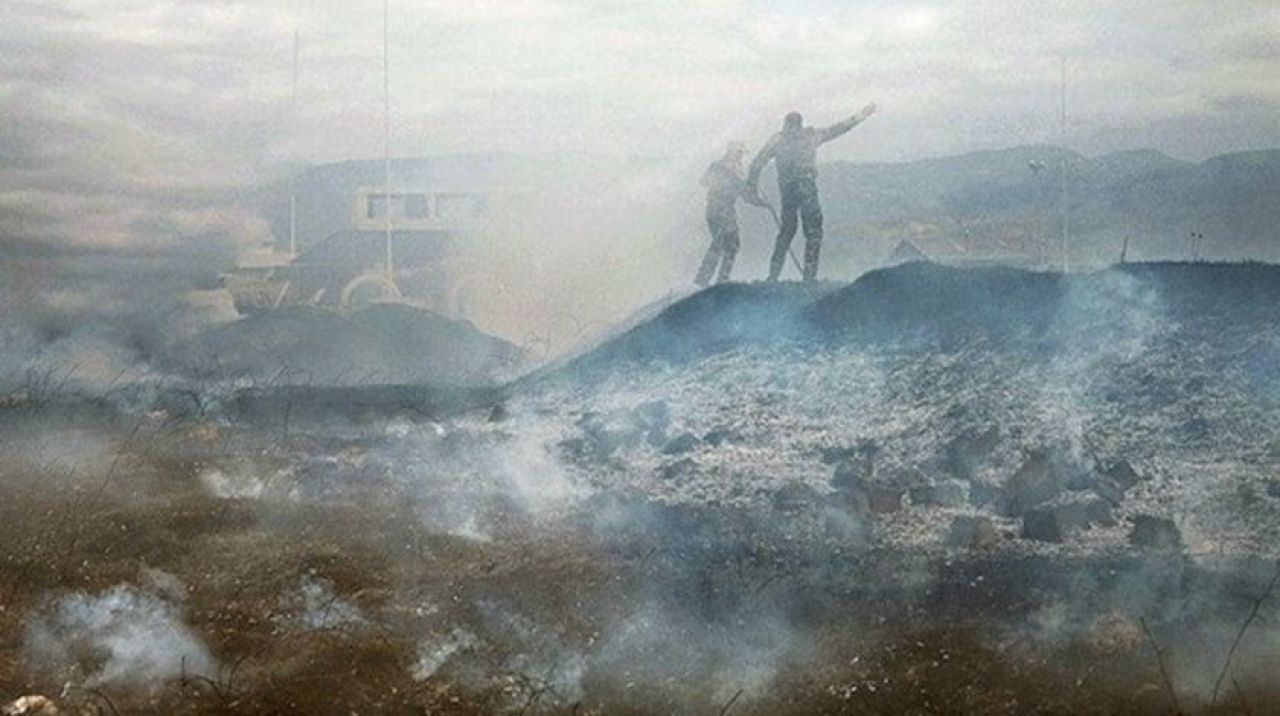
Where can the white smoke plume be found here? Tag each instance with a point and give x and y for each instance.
(122, 637)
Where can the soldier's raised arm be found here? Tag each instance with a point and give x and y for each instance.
(759, 163)
(826, 134)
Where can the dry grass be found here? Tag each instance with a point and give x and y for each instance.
(241, 559)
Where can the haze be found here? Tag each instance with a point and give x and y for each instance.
(135, 123)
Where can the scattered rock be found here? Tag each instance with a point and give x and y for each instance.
(1273, 488)
(966, 454)
(678, 469)
(853, 481)
(973, 532)
(719, 436)
(680, 444)
(1121, 474)
(1153, 532)
(982, 494)
(1037, 481)
(850, 475)
(884, 499)
(1041, 525)
(1248, 496)
(864, 451)
(31, 706)
(656, 437)
(1055, 522)
(655, 413)
(794, 497)
(498, 413)
(948, 493)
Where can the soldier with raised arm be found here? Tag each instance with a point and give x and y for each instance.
(794, 151)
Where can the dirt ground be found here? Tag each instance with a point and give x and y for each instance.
(676, 612)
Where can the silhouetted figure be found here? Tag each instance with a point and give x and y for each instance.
(725, 185)
(794, 151)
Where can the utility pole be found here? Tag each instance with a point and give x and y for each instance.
(293, 181)
(1063, 173)
(386, 137)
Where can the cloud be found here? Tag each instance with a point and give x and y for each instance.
(130, 122)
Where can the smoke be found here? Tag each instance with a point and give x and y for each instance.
(121, 637)
(95, 319)
(316, 606)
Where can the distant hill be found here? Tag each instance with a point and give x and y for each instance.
(1008, 203)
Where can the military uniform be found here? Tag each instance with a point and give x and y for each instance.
(724, 187)
(794, 151)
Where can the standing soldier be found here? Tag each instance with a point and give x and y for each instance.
(724, 183)
(794, 150)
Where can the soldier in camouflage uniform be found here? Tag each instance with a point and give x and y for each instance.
(794, 150)
(724, 183)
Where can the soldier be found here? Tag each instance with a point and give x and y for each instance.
(794, 150)
(724, 183)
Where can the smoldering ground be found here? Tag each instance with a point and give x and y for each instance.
(694, 521)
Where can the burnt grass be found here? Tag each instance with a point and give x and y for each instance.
(880, 632)
(755, 614)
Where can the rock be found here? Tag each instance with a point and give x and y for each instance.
(498, 413)
(982, 494)
(678, 469)
(1153, 532)
(680, 444)
(851, 475)
(948, 493)
(972, 532)
(1055, 522)
(719, 436)
(1121, 474)
(1248, 496)
(31, 706)
(1041, 525)
(1273, 488)
(794, 497)
(1037, 481)
(884, 499)
(966, 454)
(863, 451)
(656, 437)
(655, 413)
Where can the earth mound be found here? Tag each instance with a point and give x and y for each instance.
(380, 345)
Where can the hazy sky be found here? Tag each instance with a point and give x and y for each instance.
(113, 110)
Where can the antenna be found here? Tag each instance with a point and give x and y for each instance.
(1063, 193)
(293, 182)
(386, 137)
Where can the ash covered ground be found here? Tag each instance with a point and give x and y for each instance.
(934, 490)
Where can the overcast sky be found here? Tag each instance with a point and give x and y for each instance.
(130, 121)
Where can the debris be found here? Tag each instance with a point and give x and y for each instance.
(1154, 532)
(972, 532)
(968, 452)
(678, 469)
(794, 497)
(1273, 488)
(948, 493)
(31, 706)
(656, 413)
(719, 436)
(682, 443)
(1055, 522)
(1038, 480)
(883, 498)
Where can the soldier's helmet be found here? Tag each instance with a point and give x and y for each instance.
(793, 121)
